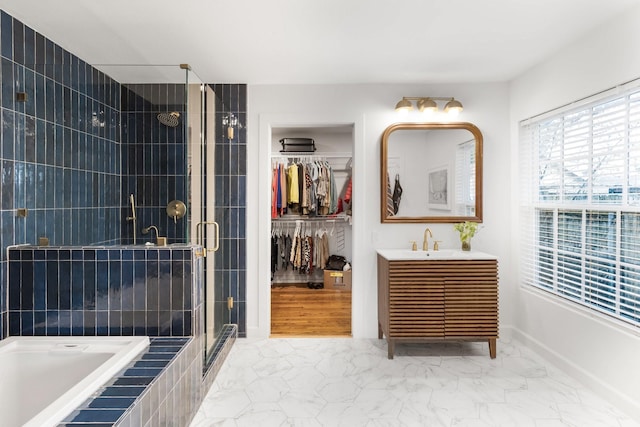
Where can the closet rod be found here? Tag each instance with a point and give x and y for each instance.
(313, 155)
(337, 219)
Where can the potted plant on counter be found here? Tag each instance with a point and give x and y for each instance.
(467, 230)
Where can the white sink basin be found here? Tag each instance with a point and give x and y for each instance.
(408, 254)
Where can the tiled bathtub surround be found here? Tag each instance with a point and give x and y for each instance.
(62, 159)
(224, 342)
(60, 155)
(161, 387)
(118, 290)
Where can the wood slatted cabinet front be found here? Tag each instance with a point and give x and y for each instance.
(443, 299)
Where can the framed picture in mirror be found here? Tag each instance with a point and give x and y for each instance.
(438, 188)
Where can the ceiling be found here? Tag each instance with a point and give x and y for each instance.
(317, 42)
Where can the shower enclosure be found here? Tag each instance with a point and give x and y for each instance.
(203, 228)
(168, 135)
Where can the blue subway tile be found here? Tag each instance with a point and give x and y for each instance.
(52, 285)
(86, 424)
(142, 372)
(132, 381)
(115, 322)
(14, 323)
(77, 323)
(127, 323)
(89, 319)
(53, 320)
(150, 364)
(40, 285)
(40, 323)
(122, 391)
(102, 323)
(65, 285)
(64, 322)
(6, 29)
(26, 323)
(110, 402)
(77, 285)
(158, 356)
(98, 415)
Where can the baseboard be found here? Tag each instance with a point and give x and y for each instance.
(255, 332)
(620, 400)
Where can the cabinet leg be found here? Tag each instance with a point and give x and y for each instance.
(380, 334)
(390, 348)
(492, 348)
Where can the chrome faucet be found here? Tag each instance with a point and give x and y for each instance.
(425, 241)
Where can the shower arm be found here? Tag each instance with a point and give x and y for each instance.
(133, 216)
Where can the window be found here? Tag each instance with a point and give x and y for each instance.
(466, 178)
(580, 204)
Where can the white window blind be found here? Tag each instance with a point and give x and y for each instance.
(466, 178)
(580, 204)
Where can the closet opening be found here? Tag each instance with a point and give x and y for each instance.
(311, 233)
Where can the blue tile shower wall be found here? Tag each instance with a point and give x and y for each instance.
(230, 177)
(154, 160)
(60, 155)
(61, 158)
(105, 291)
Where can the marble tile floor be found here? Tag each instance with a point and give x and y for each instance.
(350, 382)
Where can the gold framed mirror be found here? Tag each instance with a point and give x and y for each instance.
(431, 172)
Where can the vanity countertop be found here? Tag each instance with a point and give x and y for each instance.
(443, 254)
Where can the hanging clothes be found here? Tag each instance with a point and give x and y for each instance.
(397, 195)
(283, 190)
(322, 249)
(304, 188)
(274, 193)
(390, 205)
(293, 196)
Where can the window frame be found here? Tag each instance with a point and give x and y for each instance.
(593, 270)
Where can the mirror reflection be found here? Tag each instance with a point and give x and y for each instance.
(431, 173)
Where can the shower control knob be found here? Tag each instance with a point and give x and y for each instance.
(176, 209)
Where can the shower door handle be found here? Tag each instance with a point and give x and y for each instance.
(200, 236)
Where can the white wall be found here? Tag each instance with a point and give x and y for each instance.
(370, 109)
(600, 352)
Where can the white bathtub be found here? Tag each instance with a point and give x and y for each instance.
(43, 379)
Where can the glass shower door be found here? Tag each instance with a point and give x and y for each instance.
(203, 227)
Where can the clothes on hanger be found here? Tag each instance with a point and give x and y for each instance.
(300, 251)
(303, 188)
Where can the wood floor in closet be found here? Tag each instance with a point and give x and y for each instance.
(297, 311)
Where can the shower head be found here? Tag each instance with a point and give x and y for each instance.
(171, 119)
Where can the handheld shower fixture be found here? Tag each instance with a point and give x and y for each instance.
(133, 216)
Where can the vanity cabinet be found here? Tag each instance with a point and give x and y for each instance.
(438, 299)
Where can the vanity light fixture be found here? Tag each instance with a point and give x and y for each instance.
(428, 104)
